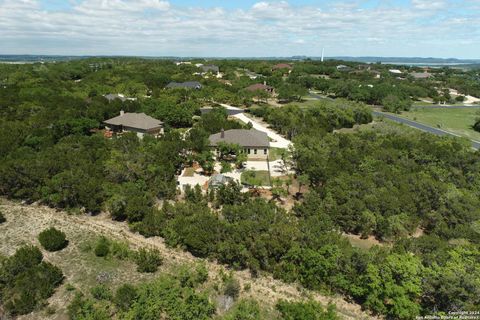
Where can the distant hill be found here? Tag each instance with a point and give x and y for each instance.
(410, 60)
(472, 63)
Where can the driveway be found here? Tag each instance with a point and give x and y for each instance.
(277, 140)
(276, 167)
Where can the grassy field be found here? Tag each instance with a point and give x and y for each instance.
(83, 270)
(259, 178)
(458, 121)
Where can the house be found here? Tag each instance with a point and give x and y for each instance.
(113, 96)
(185, 85)
(254, 143)
(282, 66)
(218, 180)
(252, 75)
(260, 87)
(343, 67)
(395, 71)
(421, 75)
(210, 68)
(179, 63)
(139, 123)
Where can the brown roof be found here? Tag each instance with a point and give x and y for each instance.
(135, 120)
(282, 66)
(242, 137)
(258, 86)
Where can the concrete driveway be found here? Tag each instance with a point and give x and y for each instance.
(277, 140)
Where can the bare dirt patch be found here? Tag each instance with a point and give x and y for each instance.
(81, 267)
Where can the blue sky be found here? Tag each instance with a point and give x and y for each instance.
(425, 28)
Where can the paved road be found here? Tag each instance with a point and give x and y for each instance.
(413, 124)
(416, 125)
(447, 107)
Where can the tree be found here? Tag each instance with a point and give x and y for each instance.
(476, 126)
(102, 247)
(125, 296)
(394, 286)
(306, 310)
(52, 239)
(393, 103)
(148, 260)
(27, 281)
(302, 180)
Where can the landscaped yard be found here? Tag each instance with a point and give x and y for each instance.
(255, 178)
(275, 154)
(458, 121)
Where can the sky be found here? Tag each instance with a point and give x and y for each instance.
(242, 28)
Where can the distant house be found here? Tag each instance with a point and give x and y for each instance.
(252, 75)
(114, 96)
(254, 143)
(282, 66)
(179, 63)
(343, 68)
(421, 75)
(260, 87)
(139, 123)
(185, 85)
(395, 71)
(210, 68)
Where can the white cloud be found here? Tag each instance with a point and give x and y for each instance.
(268, 28)
(429, 4)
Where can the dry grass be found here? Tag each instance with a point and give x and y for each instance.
(81, 267)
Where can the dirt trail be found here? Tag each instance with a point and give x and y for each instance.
(264, 288)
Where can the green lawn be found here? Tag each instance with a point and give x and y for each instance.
(255, 178)
(274, 154)
(457, 121)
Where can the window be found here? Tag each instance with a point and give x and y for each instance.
(248, 151)
(264, 151)
(254, 151)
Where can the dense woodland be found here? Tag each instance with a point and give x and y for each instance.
(385, 181)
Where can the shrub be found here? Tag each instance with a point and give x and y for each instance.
(120, 250)
(102, 247)
(201, 273)
(306, 310)
(232, 288)
(2, 218)
(26, 281)
(52, 239)
(81, 308)
(101, 292)
(125, 296)
(476, 126)
(148, 260)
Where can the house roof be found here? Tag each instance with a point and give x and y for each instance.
(112, 96)
(186, 85)
(242, 137)
(258, 86)
(211, 68)
(218, 180)
(135, 120)
(282, 66)
(421, 75)
(395, 71)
